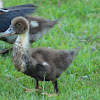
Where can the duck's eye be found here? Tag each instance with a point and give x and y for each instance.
(19, 24)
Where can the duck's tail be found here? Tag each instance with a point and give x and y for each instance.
(75, 51)
(51, 23)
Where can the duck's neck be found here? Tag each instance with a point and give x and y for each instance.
(20, 54)
(22, 42)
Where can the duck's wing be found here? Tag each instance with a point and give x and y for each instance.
(22, 9)
(7, 14)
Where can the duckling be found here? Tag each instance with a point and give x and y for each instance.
(38, 28)
(43, 64)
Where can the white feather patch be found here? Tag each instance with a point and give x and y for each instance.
(35, 37)
(34, 24)
(45, 63)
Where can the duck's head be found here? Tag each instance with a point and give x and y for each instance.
(19, 25)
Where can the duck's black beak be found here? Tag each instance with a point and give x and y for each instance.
(9, 31)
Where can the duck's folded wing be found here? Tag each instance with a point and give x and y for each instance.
(7, 14)
(21, 8)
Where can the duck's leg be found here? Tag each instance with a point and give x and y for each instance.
(6, 50)
(37, 86)
(55, 86)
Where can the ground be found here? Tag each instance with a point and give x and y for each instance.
(79, 27)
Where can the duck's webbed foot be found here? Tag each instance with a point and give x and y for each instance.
(50, 95)
(55, 88)
(6, 50)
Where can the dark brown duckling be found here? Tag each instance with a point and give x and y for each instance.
(38, 28)
(40, 63)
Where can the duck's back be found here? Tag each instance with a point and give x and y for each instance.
(59, 60)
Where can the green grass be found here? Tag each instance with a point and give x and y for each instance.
(79, 27)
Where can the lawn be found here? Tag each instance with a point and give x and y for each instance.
(79, 27)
